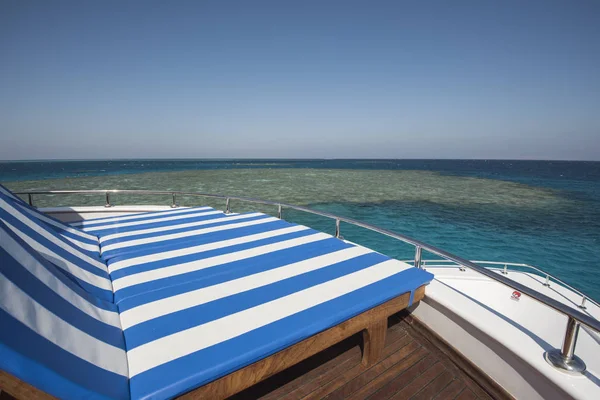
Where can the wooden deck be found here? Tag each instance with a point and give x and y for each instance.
(411, 367)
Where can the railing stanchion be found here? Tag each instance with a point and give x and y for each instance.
(505, 272)
(337, 228)
(565, 358)
(30, 198)
(107, 200)
(582, 305)
(279, 211)
(547, 283)
(568, 347)
(174, 203)
(418, 257)
(227, 210)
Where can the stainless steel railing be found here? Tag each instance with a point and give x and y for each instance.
(564, 358)
(506, 266)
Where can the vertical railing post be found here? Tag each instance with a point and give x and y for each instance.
(547, 283)
(565, 358)
(107, 200)
(174, 203)
(568, 347)
(337, 228)
(418, 257)
(582, 305)
(505, 272)
(227, 210)
(30, 198)
(279, 211)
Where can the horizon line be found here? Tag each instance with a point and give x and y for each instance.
(286, 159)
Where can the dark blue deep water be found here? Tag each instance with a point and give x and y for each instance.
(564, 240)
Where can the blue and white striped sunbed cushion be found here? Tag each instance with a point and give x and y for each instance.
(82, 267)
(53, 334)
(194, 314)
(192, 311)
(86, 241)
(134, 239)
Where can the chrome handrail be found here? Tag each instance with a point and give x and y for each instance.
(563, 358)
(549, 277)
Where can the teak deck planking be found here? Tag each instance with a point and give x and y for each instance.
(413, 365)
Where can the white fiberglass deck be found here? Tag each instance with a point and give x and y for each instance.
(480, 313)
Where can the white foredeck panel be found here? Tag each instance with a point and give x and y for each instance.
(526, 327)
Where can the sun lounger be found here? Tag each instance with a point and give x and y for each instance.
(213, 312)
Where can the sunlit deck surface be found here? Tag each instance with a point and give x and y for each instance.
(412, 367)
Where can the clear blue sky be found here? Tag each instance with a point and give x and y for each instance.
(370, 79)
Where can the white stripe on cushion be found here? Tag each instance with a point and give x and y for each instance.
(133, 216)
(52, 222)
(52, 238)
(162, 238)
(182, 301)
(180, 344)
(203, 247)
(63, 263)
(151, 221)
(178, 226)
(8, 193)
(29, 262)
(174, 270)
(86, 246)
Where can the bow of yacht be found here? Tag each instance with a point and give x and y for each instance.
(497, 329)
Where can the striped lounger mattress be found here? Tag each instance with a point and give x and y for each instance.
(166, 302)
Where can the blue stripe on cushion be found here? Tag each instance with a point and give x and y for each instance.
(41, 226)
(202, 239)
(52, 245)
(189, 372)
(201, 314)
(103, 293)
(235, 270)
(108, 221)
(8, 193)
(90, 241)
(57, 225)
(128, 249)
(265, 261)
(33, 359)
(99, 293)
(161, 224)
(56, 304)
(43, 378)
(57, 237)
(59, 274)
(52, 222)
(174, 229)
(148, 266)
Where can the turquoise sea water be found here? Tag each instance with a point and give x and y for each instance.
(544, 213)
